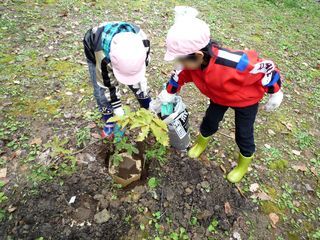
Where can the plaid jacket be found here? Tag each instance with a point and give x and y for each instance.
(97, 43)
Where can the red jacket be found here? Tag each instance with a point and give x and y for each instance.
(232, 78)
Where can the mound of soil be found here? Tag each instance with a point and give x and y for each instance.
(188, 188)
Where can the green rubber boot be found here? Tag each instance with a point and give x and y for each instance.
(200, 145)
(239, 171)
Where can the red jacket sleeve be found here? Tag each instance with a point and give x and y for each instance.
(177, 80)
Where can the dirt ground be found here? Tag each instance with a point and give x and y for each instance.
(189, 188)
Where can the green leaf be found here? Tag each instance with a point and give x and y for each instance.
(145, 115)
(161, 124)
(142, 227)
(153, 183)
(137, 124)
(125, 123)
(127, 110)
(157, 215)
(212, 227)
(174, 236)
(2, 214)
(143, 134)
(135, 150)
(160, 135)
(115, 119)
(3, 197)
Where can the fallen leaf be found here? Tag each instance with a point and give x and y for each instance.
(204, 159)
(296, 203)
(296, 152)
(82, 62)
(233, 164)
(80, 99)
(4, 181)
(223, 169)
(68, 115)
(36, 141)
(301, 168)
(91, 125)
(16, 154)
(267, 146)
(259, 167)
(11, 209)
(288, 125)
(227, 208)
(262, 196)
(95, 135)
(236, 236)
(8, 103)
(271, 132)
(3, 172)
(254, 187)
(274, 219)
(314, 171)
(308, 187)
(296, 91)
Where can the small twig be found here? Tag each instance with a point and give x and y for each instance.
(223, 134)
(83, 123)
(161, 199)
(240, 191)
(90, 144)
(163, 214)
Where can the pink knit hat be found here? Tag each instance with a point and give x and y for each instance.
(186, 36)
(128, 56)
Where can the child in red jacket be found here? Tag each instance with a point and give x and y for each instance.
(229, 78)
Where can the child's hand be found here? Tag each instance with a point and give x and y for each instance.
(166, 97)
(118, 111)
(274, 101)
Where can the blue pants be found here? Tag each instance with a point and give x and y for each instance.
(99, 93)
(244, 121)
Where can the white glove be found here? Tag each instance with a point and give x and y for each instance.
(118, 111)
(166, 97)
(155, 106)
(274, 101)
(144, 86)
(266, 67)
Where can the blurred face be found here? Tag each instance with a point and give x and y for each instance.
(192, 63)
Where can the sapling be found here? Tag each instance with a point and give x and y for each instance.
(120, 147)
(146, 123)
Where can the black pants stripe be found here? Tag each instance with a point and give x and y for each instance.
(244, 122)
